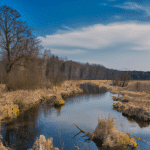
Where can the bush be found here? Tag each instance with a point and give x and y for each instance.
(123, 80)
(23, 79)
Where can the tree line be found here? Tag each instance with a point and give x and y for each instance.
(25, 65)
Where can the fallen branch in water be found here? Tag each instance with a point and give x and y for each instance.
(81, 130)
(105, 135)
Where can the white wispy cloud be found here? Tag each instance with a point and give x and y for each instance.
(122, 36)
(117, 17)
(134, 6)
(66, 27)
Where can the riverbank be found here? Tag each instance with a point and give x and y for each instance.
(14, 103)
(19, 101)
(134, 103)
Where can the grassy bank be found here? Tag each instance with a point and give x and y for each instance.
(14, 103)
(135, 97)
(135, 101)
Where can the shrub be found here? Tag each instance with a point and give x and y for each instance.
(23, 79)
(123, 80)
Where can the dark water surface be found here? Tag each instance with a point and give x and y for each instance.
(58, 123)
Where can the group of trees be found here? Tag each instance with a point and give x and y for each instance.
(18, 47)
(77, 71)
(21, 66)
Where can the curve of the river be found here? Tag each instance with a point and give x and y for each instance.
(58, 123)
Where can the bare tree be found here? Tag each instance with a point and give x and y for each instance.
(16, 39)
(55, 71)
(125, 77)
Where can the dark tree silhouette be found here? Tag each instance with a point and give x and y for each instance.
(16, 39)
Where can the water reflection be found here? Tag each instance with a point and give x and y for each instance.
(89, 88)
(57, 122)
(58, 108)
(47, 108)
(142, 124)
(22, 130)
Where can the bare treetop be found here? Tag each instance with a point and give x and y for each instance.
(16, 39)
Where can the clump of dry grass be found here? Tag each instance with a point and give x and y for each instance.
(109, 136)
(44, 144)
(106, 136)
(103, 128)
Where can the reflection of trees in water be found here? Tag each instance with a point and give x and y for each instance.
(22, 130)
(85, 97)
(142, 124)
(47, 108)
(58, 108)
(89, 88)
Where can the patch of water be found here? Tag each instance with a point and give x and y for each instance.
(58, 123)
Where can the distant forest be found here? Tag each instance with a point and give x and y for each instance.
(55, 69)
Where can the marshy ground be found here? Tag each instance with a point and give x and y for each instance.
(134, 103)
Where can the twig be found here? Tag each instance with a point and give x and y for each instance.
(81, 130)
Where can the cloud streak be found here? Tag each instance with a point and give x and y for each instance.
(128, 35)
(134, 6)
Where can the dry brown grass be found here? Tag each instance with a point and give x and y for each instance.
(136, 98)
(28, 98)
(43, 144)
(103, 128)
(111, 137)
(2, 89)
(139, 86)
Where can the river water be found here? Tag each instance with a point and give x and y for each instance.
(58, 123)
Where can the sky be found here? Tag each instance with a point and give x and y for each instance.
(112, 33)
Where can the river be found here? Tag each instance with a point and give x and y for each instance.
(58, 123)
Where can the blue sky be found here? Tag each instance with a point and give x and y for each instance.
(113, 33)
